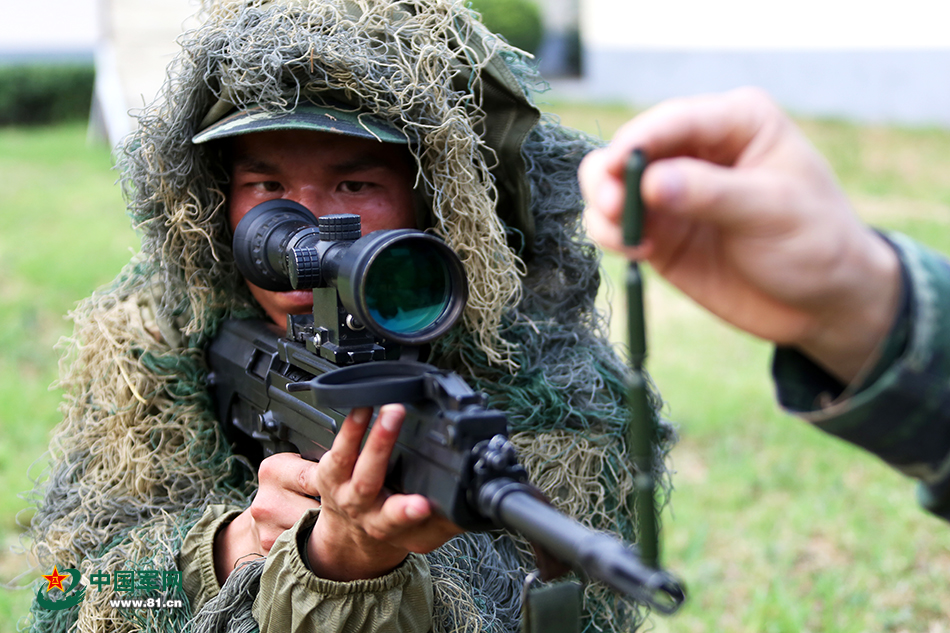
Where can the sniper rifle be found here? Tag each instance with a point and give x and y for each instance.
(376, 299)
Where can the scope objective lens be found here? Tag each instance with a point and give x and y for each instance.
(407, 287)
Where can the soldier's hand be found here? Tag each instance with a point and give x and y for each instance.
(278, 504)
(745, 217)
(362, 531)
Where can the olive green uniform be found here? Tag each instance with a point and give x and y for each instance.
(292, 598)
(900, 410)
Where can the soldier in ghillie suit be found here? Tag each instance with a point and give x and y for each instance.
(142, 477)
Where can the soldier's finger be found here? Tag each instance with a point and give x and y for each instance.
(716, 128)
(411, 522)
(610, 235)
(700, 190)
(338, 463)
(369, 473)
(288, 487)
(287, 472)
(602, 190)
(396, 515)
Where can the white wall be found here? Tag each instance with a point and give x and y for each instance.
(48, 28)
(861, 59)
(140, 41)
(766, 24)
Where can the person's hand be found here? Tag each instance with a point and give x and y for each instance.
(362, 531)
(280, 501)
(746, 218)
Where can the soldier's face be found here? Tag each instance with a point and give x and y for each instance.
(327, 173)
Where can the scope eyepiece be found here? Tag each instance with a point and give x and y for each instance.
(261, 240)
(403, 285)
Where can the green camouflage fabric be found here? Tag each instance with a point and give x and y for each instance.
(901, 410)
(304, 117)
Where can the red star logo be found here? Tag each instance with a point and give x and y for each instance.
(55, 580)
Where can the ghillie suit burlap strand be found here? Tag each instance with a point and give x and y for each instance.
(139, 456)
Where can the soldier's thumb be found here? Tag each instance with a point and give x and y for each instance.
(699, 190)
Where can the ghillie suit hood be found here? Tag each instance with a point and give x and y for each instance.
(139, 454)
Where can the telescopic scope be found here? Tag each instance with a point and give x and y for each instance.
(403, 285)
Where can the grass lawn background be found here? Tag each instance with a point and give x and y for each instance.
(774, 526)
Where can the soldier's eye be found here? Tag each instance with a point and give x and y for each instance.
(353, 186)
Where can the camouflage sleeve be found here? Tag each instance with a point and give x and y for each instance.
(196, 557)
(293, 599)
(901, 410)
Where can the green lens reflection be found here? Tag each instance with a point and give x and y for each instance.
(407, 287)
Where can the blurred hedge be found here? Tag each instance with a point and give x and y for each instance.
(519, 21)
(33, 94)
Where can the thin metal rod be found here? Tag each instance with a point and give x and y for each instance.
(642, 433)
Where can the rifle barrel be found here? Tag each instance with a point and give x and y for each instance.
(597, 555)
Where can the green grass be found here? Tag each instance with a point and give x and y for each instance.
(774, 526)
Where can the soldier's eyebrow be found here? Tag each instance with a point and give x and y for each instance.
(360, 163)
(254, 165)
